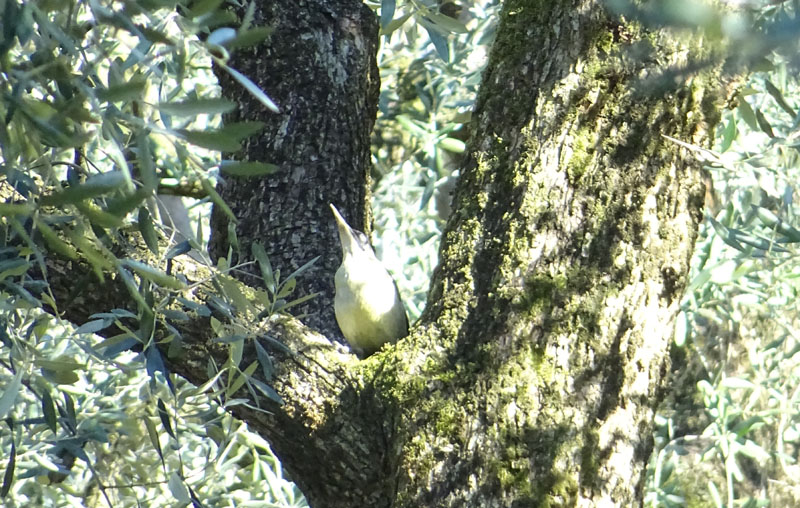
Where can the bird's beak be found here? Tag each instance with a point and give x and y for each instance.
(346, 236)
(339, 219)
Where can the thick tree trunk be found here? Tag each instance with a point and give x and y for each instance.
(319, 66)
(532, 376)
(562, 267)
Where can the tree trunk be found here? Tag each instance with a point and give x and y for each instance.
(532, 376)
(548, 323)
(319, 66)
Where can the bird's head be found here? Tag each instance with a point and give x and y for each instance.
(354, 242)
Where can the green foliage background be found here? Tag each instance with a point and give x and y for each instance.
(108, 104)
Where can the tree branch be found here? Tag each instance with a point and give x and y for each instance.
(330, 426)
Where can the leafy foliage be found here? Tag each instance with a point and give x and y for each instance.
(108, 108)
(431, 58)
(729, 436)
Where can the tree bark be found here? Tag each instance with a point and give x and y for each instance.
(319, 66)
(532, 376)
(562, 267)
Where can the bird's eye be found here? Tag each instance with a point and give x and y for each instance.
(362, 238)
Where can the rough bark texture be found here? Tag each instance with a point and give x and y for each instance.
(531, 379)
(319, 66)
(562, 268)
(329, 430)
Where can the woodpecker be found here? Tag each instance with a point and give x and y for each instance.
(367, 303)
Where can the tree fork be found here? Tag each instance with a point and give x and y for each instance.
(532, 377)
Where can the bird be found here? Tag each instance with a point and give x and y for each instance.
(367, 304)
